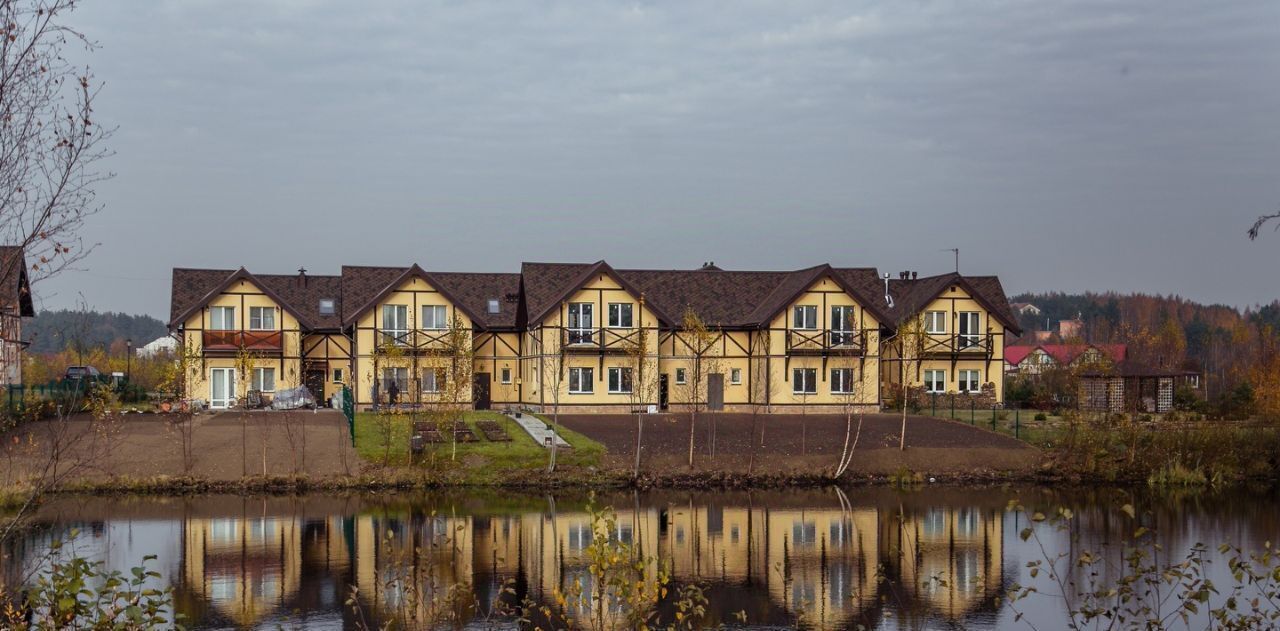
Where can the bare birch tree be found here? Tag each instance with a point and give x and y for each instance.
(852, 407)
(644, 384)
(911, 338)
(50, 141)
(699, 342)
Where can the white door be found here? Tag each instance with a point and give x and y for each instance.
(222, 387)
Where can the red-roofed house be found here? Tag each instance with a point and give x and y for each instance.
(1033, 359)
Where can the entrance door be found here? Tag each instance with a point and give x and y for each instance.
(314, 379)
(480, 391)
(663, 392)
(715, 391)
(222, 388)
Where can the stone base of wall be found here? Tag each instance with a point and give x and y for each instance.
(729, 408)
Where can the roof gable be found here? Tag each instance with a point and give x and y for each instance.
(546, 285)
(190, 289)
(413, 271)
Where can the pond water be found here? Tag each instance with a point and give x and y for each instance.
(935, 557)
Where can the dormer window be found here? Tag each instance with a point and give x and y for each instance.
(327, 306)
(494, 306)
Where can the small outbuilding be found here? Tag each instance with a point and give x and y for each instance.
(1131, 387)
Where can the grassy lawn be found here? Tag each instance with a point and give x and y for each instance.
(483, 460)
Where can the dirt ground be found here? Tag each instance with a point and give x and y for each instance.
(794, 443)
(223, 446)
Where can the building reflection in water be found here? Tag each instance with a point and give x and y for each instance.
(253, 562)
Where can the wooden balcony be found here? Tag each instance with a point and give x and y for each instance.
(601, 340)
(975, 344)
(417, 341)
(825, 342)
(233, 341)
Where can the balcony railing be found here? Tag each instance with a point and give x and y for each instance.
(418, 340)
(977, 343)
(824, 341)
(263, 341)
(602, 339)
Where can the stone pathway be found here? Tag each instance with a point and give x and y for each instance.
(539, 430)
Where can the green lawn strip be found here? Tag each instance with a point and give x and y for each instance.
(485, 460)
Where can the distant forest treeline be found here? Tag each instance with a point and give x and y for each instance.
(1227, 344)
(53, 331)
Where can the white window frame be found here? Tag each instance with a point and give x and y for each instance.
(620, 380)
(400, 319)
(338, 377)
(969, 377)
(403, 385)
(735, 376)
(580, 375)
(931, 381)
(804, 380)
(494, 306)
(328, 306)
(837, 381)
(228, 319)
(439, 319)
(259, 372)
(681, 377)
(436, 379)
(804, 317)
(972, 322)
(841, 324)
(622, 308)
(580, 320)
(935, 322)
(261, 315)
(505, 375)
(216, 402)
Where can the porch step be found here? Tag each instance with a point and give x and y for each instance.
(538, 430)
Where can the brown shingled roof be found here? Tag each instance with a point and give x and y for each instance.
(473, 290)
(912, 296)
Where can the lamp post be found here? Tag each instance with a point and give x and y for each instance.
(128, 371)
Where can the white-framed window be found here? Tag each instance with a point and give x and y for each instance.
(968, 329)
(328, 306)
(842, 325)
(337, 375)
(581, 381)
(842, 380)
(935, 322)
(494, 306)
(804, 317)
(435, 317)
(969, 380)
(262, 318)
(395, 323)
(735, 376)
(935, 381)
(580, 323)
(222, 318)
(506, 375)
(680, 376)
(264, 379)
(432, 379)
(620, 315)
(620, 380)
(399, 377)
(804, 380)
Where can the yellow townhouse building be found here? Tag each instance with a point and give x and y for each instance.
(586, 337)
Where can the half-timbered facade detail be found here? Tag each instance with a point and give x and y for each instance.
(589, 337)
(15, 304)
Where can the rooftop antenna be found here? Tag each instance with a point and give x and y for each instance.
(955, 251)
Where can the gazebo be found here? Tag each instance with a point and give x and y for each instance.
(1130, 387)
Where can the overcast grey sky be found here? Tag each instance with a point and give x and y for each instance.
(1064, 146)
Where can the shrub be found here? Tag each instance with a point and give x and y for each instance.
(1041, 416)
